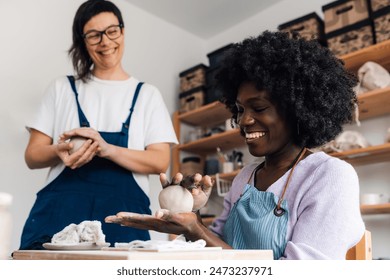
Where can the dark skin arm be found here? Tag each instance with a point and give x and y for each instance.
(188, 224)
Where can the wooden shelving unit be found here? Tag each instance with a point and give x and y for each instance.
(374, 103)
(207, 145)
(375, 209)
(210, 114)
(379, 53)
(373, 154)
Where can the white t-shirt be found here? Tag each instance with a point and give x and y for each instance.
(106, 105)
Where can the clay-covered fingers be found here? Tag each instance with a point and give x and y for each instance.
(190, 182)
(207, 184)
(175, 180)
(202, 191)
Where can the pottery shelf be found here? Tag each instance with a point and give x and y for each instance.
(207, 145)
(369, 155)
(210, 115)
(375, 209)
(378, 53)
(374, 103)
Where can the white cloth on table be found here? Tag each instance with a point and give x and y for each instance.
(178, 243)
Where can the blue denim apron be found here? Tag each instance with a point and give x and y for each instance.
(258, 219)
(92, 192)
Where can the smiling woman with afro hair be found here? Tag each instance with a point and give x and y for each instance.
(287, 95)
(304, 79)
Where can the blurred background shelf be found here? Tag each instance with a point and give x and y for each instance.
(210, 114)
(224, 140)
(378, 53)
(375, 209)
(369, 155)
(374, 103)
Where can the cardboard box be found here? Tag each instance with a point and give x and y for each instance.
(381, 20)
(213, 93)
(193, 77)
(343, 13)
(309, 26)
(351, 38)
(192, 99)
(377, 5)
(216, 57)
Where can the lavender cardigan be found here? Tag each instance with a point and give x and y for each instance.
(323, 198)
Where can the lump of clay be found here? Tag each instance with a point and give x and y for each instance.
(176, 199)
(86, 231)
(77, 142)
(68, 235)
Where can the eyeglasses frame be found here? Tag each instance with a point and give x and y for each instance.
(121, 25)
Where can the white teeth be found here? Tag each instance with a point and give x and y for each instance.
(110, 51)
(254, 135)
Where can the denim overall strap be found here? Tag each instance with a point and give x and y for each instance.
(126, 124)
(83, 120)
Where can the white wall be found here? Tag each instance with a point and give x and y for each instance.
(34, 41)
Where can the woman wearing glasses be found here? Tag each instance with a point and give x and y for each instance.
(126, 125)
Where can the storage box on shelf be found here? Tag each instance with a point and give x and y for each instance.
(193, 77)
(215, 57)
(351, 38)
(309, 26)
(377, 5)
(343, 13)
(192, 99)
(381, 19)
(348, 26)
(375, 209)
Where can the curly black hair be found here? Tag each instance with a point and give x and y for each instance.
(304, 79)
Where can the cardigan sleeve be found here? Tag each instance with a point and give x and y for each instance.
(329, 220)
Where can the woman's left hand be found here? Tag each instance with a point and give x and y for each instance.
(163, 221)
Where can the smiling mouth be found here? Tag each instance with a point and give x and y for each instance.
(108, 52)
(249, 137)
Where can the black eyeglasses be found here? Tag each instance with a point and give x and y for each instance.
(112, 32)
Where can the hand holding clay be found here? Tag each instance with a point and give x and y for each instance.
(184, 195)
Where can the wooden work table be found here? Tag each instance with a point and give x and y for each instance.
(208, 254)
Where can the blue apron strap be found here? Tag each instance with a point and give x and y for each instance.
(126, 124)
(82, 119)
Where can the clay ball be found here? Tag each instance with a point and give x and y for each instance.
(176, 199)
(77, 141)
